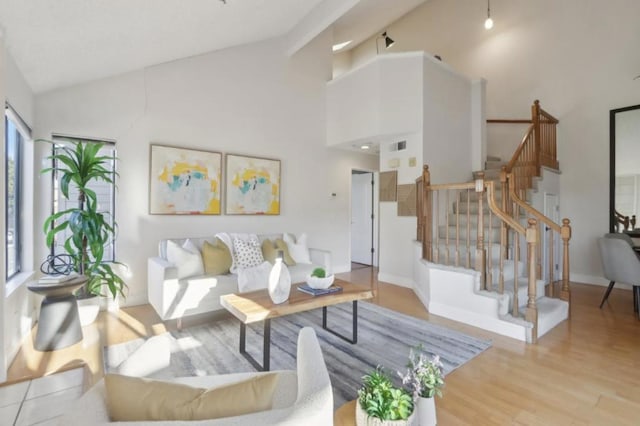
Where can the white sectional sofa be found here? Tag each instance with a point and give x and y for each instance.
(174, 298)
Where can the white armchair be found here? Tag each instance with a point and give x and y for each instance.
(302, 397)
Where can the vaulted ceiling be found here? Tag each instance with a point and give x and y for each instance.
(65, 42)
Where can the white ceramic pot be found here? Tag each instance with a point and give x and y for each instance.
(426, 409)
(279, 282)
(362, 419)
(88, 309)
(320, 283)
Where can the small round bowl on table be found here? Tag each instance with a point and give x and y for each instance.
(320, 283)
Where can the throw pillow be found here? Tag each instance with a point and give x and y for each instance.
(282, 246)
(139, 399)
(247, 253)
(298, 248)
(216, 258)
(269, 251)
(187, 259)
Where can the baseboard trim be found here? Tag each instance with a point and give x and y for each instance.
(595, 280)
(396, 279)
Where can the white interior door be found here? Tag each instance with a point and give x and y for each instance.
(552, 211)
(362, 218)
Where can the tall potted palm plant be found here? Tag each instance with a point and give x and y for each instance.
(79, 164)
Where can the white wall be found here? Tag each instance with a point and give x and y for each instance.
(410, 97)
(447, 123)
(17, 304)
(380, 98)
(398, 232)
(247, 100)
(577, 56)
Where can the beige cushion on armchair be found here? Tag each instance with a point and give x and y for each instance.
(309, 402)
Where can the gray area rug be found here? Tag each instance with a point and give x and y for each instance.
(384, 338)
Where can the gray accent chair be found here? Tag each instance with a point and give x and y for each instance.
(620, 263)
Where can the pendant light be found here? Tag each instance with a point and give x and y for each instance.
(488, 23)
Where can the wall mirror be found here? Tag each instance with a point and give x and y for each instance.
(624, 172)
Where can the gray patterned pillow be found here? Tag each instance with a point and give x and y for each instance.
(248, 254)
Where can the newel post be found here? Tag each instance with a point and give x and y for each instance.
(565, 233)
(531, 314)
(535, 117)
(481, 256)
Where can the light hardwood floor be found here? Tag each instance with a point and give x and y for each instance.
(585, 371)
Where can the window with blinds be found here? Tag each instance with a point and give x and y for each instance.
(16, 132)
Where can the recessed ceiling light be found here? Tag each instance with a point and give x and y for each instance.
(365, 146)
(339, 46)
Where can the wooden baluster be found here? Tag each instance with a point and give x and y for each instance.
(531, 313)
(427, 243)
(446, 226)
(437, 226)
(551, 292)
(516, 273)
(457, 227)
(468, 229)
(565, 232)
(516, 210)
(539, 230)
(490, 243)
(503, 228)
(481, 261)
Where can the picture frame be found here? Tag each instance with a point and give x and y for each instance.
(184, 181)
(252, 185)
(388, 186)
(407, 197)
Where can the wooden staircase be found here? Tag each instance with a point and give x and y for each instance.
(506, 250)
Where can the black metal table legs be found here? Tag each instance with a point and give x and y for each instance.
(354, 324)
(266, 350)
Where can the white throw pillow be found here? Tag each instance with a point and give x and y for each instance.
(187, 258)
(248, 254)
(298, 248)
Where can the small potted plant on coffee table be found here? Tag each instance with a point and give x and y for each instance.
(425, 378)
(319, 279)
(380, 403)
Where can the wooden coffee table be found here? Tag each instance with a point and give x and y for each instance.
(257, 306)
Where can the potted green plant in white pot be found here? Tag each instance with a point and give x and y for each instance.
(380, 403)
(78, 164)
(425, 378)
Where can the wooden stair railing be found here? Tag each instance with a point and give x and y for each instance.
(454, 241)
(564, 232)
(538, 148)
(454, 245)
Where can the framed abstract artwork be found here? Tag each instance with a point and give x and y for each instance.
(252, 185)
(184, 181)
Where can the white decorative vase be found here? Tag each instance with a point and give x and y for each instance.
(363, 419)
(426, 408)
(279, 282)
